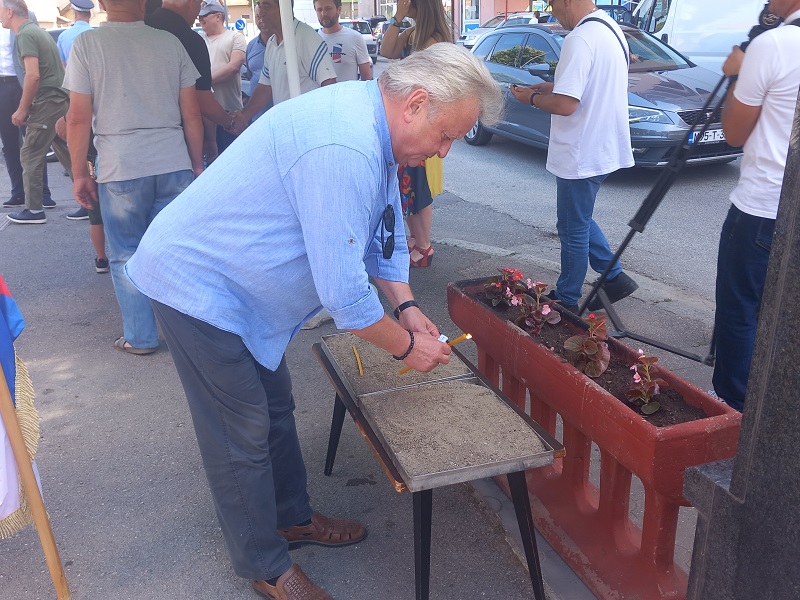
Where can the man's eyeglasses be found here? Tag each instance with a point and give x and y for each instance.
(388, 223)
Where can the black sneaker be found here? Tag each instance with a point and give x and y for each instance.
(78, 215)
(616, 289)
(27, 217)
(101, 265)
(48, 203)
(14, 203)
(573, 308)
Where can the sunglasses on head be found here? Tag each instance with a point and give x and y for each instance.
(388, 223)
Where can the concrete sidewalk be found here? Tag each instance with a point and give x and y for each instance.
(120, 468)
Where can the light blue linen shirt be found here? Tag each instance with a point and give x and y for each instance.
(67, 38)
(287, 220)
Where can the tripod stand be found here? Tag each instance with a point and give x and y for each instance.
(668, 176)
(639, 222)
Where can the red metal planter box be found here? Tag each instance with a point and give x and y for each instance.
(590, 525)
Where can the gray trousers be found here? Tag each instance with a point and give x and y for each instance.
(243, 416)
(40, 136)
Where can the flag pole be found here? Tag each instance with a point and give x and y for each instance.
(40, 518)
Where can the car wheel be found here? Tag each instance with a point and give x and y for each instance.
(478, 136)
(374, 60)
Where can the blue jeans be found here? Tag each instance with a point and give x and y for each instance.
(243, 416)
(744, 247)
(128, 208)
(582, 240)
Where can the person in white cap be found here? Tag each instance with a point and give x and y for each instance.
(226, 49)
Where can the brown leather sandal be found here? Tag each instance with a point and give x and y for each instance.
(324, 531)
(292, 585)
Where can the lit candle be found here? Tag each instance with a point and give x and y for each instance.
(458, 340)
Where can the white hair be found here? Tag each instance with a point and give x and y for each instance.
(448, 73)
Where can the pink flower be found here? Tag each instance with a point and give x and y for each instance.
(656, 390)
(641, 352)
(529, 282)
(634, 368)
(515, 301)
(546, 310)
(508, 293)
(637, 378)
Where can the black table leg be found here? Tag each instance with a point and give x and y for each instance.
(423, 507)
(522, 506)
(339, 412)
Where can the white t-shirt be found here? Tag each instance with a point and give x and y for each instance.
(312, 53)
(769, 78)
(6, 58)
(347, 49)
(596, 138)
(220, 48)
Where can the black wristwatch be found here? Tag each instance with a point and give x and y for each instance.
(403, 306)
(394, 22)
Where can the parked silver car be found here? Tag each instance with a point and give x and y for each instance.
(468, 38)
(666, 93)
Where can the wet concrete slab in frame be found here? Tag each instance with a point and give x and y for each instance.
(451, 432)
(381, 371)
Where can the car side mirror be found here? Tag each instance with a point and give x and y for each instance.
(537, 68)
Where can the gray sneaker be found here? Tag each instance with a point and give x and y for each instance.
(101, 265)
(48, 203)
(27, 217)
(78, 215)
(14, 203)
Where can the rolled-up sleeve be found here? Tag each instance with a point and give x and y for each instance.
(335, 192)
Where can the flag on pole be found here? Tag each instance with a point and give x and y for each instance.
(13, 508)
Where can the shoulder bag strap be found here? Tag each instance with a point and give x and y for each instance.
(607, 24)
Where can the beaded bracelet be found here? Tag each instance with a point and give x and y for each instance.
(410, 347)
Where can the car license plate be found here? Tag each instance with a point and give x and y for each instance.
(709, 137)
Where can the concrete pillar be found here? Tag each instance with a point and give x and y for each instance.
(747, 544)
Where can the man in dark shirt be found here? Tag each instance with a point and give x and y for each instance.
(176, 17)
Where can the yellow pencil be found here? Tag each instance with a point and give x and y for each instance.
(458, 340)
(358, 360)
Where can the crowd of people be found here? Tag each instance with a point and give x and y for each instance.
(147, 117)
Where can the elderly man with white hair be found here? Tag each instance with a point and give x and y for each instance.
(230, 295)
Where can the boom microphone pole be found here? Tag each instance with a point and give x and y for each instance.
(677, 162)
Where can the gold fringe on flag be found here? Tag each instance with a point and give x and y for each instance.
(29, 423)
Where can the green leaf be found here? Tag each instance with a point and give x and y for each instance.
(650, 408)
(575, 343)
(593, 369)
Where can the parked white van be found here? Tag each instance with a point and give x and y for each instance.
(702, 30)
